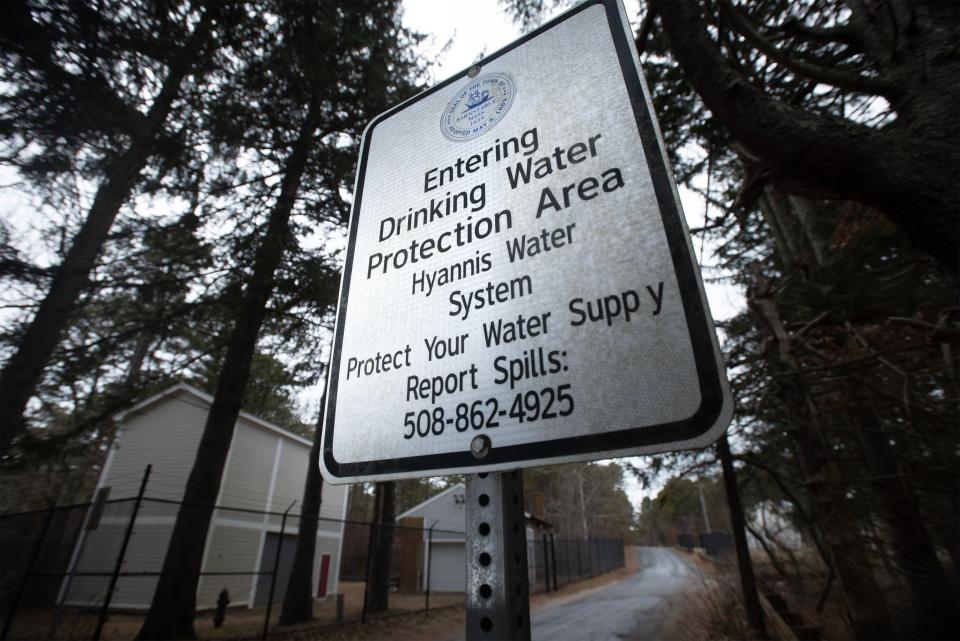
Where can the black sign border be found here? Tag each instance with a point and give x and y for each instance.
(708, 377)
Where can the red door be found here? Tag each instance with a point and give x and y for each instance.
(324, 574)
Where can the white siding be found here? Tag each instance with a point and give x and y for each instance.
(247, 479)
(291, 473)
(230, 549)
(329, 546)
(334, 504)
(99, 554)
(166, 437)
(165, 432)
(448, 567)
(445, 512)
(145, 553)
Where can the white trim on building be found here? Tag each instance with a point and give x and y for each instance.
(264, 471)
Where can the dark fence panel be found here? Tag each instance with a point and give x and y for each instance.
(57, 567)
(717, 544)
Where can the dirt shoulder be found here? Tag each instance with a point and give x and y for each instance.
(447, 622)
(708, 609)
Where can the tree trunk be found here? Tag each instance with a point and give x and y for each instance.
(298, 600)
(135, 367)
(807, 213)
(174, 601)
(22, 373)
(378, 598)
(584, 529)
(933, 598)
(751, 599)
(863, 597)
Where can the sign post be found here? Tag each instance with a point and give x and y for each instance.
(498, 587)
(519, 289)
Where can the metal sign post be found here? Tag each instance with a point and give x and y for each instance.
(498, 587)
(519, 289)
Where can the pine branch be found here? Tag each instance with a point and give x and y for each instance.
(843, 79)
(793, 27)
(907, 177)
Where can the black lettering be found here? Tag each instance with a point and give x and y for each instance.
(574, 310)
(657, 298)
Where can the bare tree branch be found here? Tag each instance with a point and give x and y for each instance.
(910, 176)
(643, 34)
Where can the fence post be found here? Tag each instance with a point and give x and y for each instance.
(553, 555)
(748, 582)
(105, 610)
(579, 562)
(276, 568)
(29, 571)
(366, 577)
(592, 556)
(339, 608)
(588, 543)
(546, 563)
(426, 579)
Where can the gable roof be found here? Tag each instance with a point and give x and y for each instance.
(420, 506)
(207, 400)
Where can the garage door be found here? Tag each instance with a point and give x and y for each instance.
(448, 570)
(267, 562)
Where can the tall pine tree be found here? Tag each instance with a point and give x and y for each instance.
(67, 60)
(318, 73)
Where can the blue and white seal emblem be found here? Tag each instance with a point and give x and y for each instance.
(478, 106)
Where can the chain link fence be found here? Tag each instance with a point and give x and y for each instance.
(89, 571)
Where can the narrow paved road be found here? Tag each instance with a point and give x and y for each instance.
(632, 609)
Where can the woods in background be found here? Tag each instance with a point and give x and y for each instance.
(810, 130)
(187, 167)
(224, 195)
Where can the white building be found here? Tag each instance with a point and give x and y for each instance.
(445, 554)
(265, 472)
(445, 547)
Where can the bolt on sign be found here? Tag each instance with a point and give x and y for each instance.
(520, 287)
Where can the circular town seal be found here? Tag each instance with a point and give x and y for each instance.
(478, 106)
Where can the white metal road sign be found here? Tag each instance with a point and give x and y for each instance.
(519, 270)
